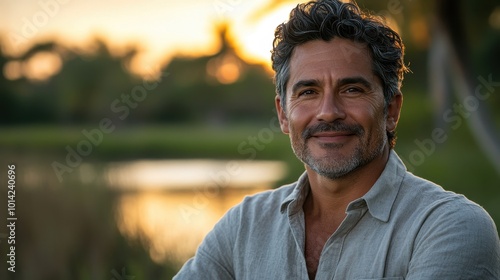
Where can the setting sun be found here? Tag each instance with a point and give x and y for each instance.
(255, 39)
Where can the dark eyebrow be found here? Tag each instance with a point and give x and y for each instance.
(341, 82)
(304, 83)
(355, 80)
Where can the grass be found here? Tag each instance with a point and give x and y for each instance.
(150, 141)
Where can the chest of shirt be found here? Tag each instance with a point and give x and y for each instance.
(362, 248)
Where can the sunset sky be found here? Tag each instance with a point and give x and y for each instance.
(160, 28)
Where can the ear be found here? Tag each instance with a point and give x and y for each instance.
(393, 111)
(281, 115)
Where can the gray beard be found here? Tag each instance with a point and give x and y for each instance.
(335, 168)
(338, 168)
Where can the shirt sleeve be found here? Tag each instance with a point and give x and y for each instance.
(456, 241)
(213, 259)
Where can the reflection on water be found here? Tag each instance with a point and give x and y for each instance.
(175, 203)
(172, 223)
(189, 174)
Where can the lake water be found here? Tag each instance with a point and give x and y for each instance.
(167, 205)
(175, 203)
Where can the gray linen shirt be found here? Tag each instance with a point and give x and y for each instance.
(403, 228)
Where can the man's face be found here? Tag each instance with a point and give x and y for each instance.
(335, 107)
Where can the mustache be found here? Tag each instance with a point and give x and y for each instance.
(336, 126)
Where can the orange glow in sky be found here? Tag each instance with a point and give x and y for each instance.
(254, 40)
(160, 29)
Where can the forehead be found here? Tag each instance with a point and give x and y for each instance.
(334, 59)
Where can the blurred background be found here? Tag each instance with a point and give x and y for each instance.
(134, 125)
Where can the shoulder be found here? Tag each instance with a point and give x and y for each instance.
(215, 257)
(417, 192)
(453, 235)
(269, 201)
(434, 203)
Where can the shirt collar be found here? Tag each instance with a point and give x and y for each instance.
(298, 196)
(379, 199)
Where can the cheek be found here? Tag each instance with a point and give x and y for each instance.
(379, 122)
(298, 116)
(371, 116)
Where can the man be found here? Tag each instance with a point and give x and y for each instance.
(356, 213)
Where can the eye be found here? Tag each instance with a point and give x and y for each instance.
(353, 90)
(306, 92)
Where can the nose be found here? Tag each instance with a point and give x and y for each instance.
(330, 109)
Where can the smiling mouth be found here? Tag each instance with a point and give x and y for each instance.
(332, 136)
